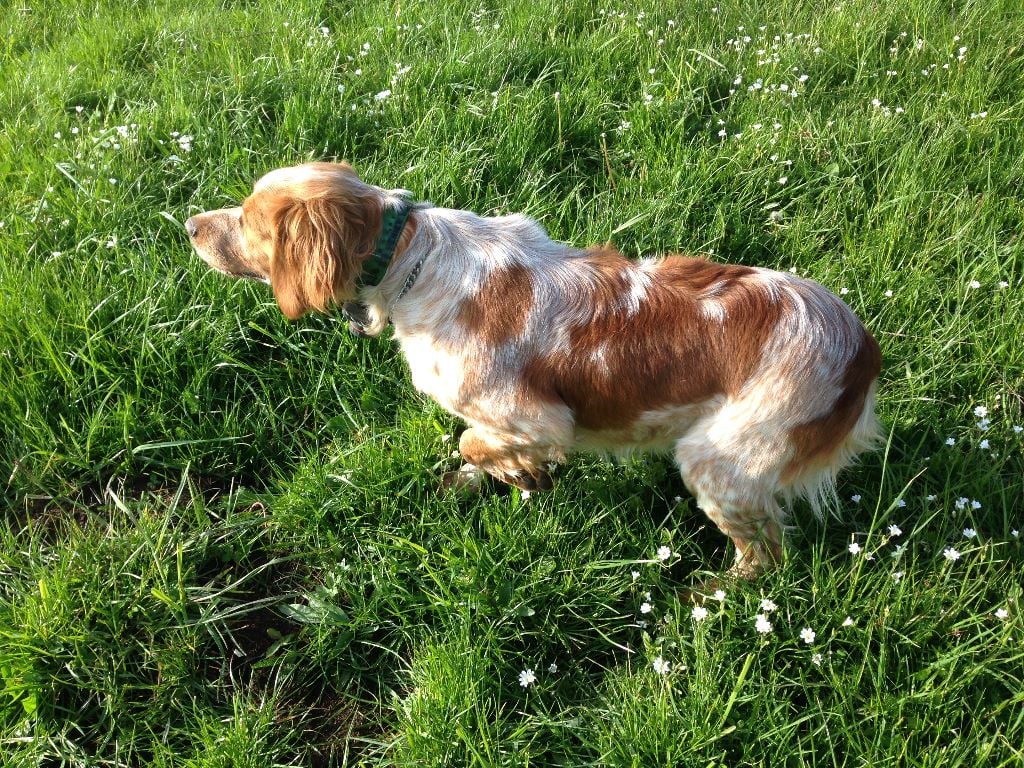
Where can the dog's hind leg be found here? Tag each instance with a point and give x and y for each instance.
(735, 487)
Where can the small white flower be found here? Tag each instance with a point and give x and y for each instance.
(855, 498)
(898, 551)
(783, 180)
(816, 659)
(970, 533)
(888, 294)
(848, 621)
(807, 635)
(645, 608)
(699, 613)
(762, 625)
(975, 284)
(664, 553)
(981, 411)
(1002, 283)
(897, 577)
(950, 441)
(895, 530)
(552, 668)
(930, 497)
(854, 548)
(635, 575)
(984, 445)
(950, 554)
(768, 606)
(961, 503)
(1002, 613)
(901, 503)
(719, 595)
(843, 291)
(661, 666)
(1015, 533)
(1017, 429)
(382, 95)
(527, 678)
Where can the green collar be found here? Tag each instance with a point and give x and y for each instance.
(392, 224)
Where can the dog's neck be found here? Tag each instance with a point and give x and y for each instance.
(393, 221)
(381, 283)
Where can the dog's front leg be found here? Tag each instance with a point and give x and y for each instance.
(513, 459)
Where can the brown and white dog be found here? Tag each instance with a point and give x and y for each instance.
(761, 383)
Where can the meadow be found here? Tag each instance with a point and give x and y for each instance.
(222, 541)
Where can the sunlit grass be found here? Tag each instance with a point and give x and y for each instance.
(223, 542)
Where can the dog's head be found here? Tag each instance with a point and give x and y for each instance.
(305, 230)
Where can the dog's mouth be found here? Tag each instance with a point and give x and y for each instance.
(250, 276)
(242, 274)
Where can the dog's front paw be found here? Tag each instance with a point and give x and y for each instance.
(538, 480)
(468, 478)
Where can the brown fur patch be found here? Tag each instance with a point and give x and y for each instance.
(500, 309)
(620, 364)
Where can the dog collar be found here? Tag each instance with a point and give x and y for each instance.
(392, 224)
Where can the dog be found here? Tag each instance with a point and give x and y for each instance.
(761, 383)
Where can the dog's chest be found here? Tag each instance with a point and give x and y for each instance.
(436, 370)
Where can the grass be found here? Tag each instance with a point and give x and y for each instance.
(222, 543)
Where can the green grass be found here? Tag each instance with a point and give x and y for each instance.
(221, 541)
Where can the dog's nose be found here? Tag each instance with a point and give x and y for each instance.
(190, 227)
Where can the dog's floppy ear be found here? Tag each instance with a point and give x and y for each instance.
(320, 244)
